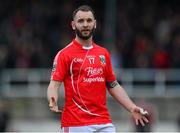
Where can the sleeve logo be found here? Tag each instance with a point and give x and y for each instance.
(54, 66)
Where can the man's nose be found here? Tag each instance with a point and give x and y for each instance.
(85, 24)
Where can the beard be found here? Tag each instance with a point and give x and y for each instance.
(82, 36)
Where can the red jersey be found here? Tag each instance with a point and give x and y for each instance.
(84, 73)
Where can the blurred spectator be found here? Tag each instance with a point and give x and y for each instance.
(164, 29)
(178, 122)
(4, 117)
(33, 31)
(176, 51)
(161, 58)
(3, 50)
(142, 51)
(115, 57)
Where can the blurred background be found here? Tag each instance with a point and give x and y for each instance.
(143, 38)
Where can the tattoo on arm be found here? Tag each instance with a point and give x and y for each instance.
(112, 84)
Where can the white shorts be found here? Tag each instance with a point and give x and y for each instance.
(91, 128)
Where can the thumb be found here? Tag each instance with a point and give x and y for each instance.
(52, 102)
(141, 111)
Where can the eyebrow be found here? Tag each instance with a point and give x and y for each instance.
(80, 19)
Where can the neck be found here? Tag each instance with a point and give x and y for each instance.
(85, 43)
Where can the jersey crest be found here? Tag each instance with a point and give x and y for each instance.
(102, 59)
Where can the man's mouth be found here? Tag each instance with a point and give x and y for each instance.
(85, 30)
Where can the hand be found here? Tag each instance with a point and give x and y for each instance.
(139, 115)
(53, 105)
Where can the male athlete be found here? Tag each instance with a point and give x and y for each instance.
(86, 71)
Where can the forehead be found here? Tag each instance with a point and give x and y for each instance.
(83, 15)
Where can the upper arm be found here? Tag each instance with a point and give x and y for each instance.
(60, 67)
(110, 76)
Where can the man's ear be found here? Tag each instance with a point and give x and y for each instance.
(73, 25)
(95, 25)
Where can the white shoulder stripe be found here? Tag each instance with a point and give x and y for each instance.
(57, 55)
(65, 47)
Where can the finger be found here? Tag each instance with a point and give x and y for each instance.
(53, 101)
(52, 109)
(51, 106)
(144, 112)
(142, 122)
(139, 110)
(58, 111)
(145, 119)
(136, 121)
(55, 109)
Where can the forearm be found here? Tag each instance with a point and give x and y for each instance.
(121, 96)
(53, 90)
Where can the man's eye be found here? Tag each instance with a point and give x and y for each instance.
(89, 20)
(80, 20)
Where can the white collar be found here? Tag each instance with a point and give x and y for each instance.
(87, 47)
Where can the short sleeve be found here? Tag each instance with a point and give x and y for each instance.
(60, 68)
(110, 76)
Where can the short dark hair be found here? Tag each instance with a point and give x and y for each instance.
(85, 8)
